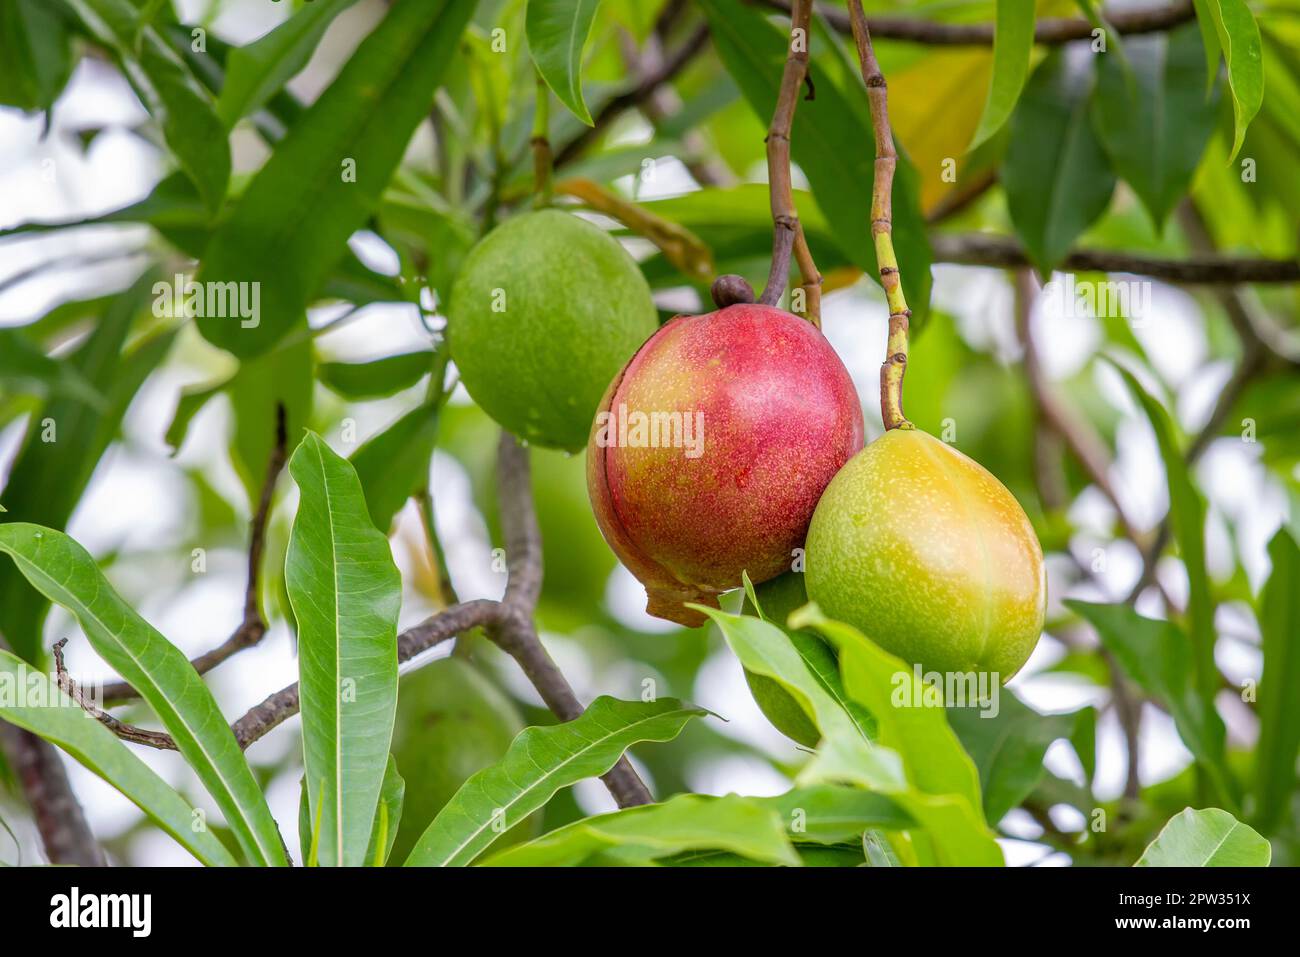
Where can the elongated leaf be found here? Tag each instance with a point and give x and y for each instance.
(1279, 731)
(346, 593)
(378, 378)
(1007, 747)
(1157, 656)
(1154, 118)
(32, 700)
(1206, 838)
(1187, 516)
(943, 795)
(65, 441)
(1056, 174)
(845, 752)
(832, 814)
(282, 377)
(388, 816)
(324, 179)
(25, 368)
(540, 762)
(639, 835)
(180, 104)
(35, 54)
(557, 31)
(1013, 42)
(395, 463)
(1239, 39)
(255, 71)
(833, 145)
(65, 573)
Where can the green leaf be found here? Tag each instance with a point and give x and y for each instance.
(1056, 175)
(281, 377)
(25, 368)
(65, 573)
(1206, 838)
(35, 54)
(255, 71)
(540, 762)
(833, 145)
(378, 378)
(395, 463)
(1156, 655)
(49, 712)
(388, 815)
(65, 441)
(943, 793)
(291, 226)
(1007, 746)
(557, 31)
(1013, 42)
(1279, 731)
(1154, 118)
(833, 814)
(1238, 35)
(1187, 517)
(846, 752)
(180, 104)
(346, 593)
(639, 835)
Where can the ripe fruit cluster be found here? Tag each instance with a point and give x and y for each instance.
(723, 441)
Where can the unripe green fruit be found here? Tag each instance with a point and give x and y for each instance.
(545, 311)
(926, 553)
(451, 722)
(777, 598)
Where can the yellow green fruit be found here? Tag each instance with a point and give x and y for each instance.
(925, 552)
(545, 311)
(451, 722)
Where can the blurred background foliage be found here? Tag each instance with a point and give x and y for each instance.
(114, 175)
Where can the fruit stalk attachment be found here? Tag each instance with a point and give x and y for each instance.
(788, 235)
(895, 364)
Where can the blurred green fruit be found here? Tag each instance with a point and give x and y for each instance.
(926, 553)
(777, 598)
(546, 310)
(451, 722)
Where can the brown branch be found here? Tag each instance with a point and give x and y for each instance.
(513, 629)
(893, 369)
(788, 235)
(981, 249)
(636, 95)
(509, 623)
(1048, 31)
(252, 628)
(59, 818)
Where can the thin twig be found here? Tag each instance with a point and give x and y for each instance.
(252, 628)
(787, 231)
(541, 144)
(1047, 31)
(893, 369)
(636, 95)
(981, 249)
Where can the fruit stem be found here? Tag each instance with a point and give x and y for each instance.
(541, 144)
(882, 187)
(788, 232)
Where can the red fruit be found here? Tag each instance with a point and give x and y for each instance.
(779, 416)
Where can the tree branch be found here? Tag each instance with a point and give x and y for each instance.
(253, 628)
(635, 96)
(1047, 31)
(894, 367)
(981, 249)
(787, 231)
